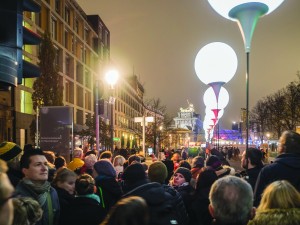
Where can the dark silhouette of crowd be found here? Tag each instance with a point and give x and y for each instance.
(39, 187)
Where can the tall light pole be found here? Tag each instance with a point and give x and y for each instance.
(144, 121)
(246, 13)
(97, 114)
(159, 139)
(111, 78)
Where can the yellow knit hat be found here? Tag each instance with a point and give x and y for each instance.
(9, 150)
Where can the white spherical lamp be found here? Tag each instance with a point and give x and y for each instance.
(211, 102)
(216, 62)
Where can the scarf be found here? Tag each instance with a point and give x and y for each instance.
(38, 191)
(92, 196)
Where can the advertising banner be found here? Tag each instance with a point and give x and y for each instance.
(56, 130)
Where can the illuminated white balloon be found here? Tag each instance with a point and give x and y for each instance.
(210, 100)
(216, 62)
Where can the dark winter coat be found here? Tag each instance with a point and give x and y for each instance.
(84, 210)
(198, 210)
(162, 197)
(108, 190)
(285, 167)
(277, 216)
(251, 175)
(65, 200)
(186, 194)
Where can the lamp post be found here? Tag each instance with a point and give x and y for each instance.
(111, 78)
(159, 138)
(246, 13)
(97, 114)
(144, 121)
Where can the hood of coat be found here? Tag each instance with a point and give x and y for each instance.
(289, 160)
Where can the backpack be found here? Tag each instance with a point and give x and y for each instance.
(163, 214)
(172, 211)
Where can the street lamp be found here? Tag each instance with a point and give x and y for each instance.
(215, 65)
(111, 78)
(246, 13)
(159, 138)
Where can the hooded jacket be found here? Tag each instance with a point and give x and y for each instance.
(285, 167)
(276, 216)
(161, 197)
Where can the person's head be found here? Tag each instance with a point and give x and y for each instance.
(34, 166)
(289, 142)
(206, 178)
(90, 160)
(214, 162)
(59, 162)
(176, 157)
(26, 211)
(104, 168)
(254, 158)
(6, 191)
(128, 211)
(50, 156)
(119, 160)
(11, 153)
(134, 158)
(279, 195)
(65, 179)
(106, 155)
(157, 172)
(197, 162)
(185, 164)
(85, 184)
(134, 173)
(231, 200)
(77, 153)
(181, 175)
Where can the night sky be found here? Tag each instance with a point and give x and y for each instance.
(158, 40)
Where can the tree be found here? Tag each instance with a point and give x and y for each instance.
(292, 104)
(276, 112)
(258, 116)
(89, 133)
(48, 88)
(157, 111)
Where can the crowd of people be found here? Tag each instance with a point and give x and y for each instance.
(38, 187)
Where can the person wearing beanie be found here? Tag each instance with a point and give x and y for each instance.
(157, 172)
(185, 164)
(77, 162)
(134, 175)
(11, 153)
(157, 195)
(215, 163)
(181, 182)
(197, 165)
(107, 186)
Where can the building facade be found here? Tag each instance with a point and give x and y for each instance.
(189, 125)
(82, 46)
